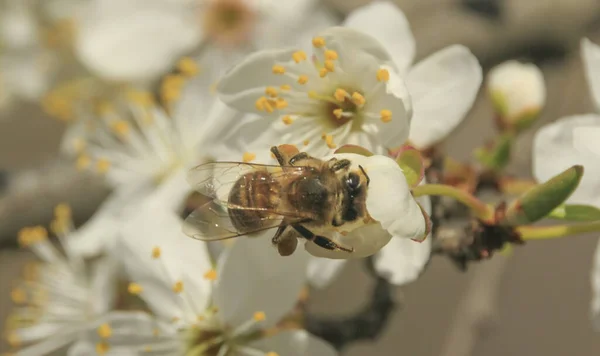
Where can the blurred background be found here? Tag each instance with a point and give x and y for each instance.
(534, 302)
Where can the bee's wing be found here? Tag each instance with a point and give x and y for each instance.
(211, 222)
(216, 179)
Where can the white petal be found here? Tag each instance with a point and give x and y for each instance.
(100, 231)
(386, 23)
(556, 148)
(244, 83)
(366, 241)
(132, 332)
(402, 260)
(295, 343)
(318, 19)
(591, 60)
(595, 307)
(519, 87)
(135, 39)
(50, 344)
(397, 100)
(182, 259)
(18, 28)
(104, 284)
(28, 74)
(443, 88)
(390, 201)
(323, 271)
(253, 277)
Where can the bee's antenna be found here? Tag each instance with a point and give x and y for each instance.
(366, 175)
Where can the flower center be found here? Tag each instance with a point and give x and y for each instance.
(344, 108)
(228, 22)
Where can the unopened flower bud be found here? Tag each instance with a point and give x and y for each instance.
(518, 93)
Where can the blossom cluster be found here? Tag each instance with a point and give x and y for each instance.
(164, 88)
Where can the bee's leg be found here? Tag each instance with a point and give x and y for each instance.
(278, 156)
(299, 156)
(341, 164)
(277, 237)
(321, 241)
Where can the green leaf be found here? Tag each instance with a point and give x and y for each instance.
(541, 200)
(575, 213)
(412, 164)
(354, 149)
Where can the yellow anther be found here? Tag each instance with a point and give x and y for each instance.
(281, 103)
(306, 142)
(248, 157)
(178, 287)
(287, 119)
(78, 144)
(104, 107)
(270, 91)
(155, 332)
(303, 79)
(277, 69)
(141, 97)
(102, 165)
(299, 56)
(188, 67)
(268, 105)
(18, 296)
(358, 99)
(134, 288)
(171, 88)
(260, 103)
(156, 252)
(331, 55)
(13, 340)
(104, 331)
(329, 65)
(200, 318)
(323, 135)
(102, 348)
(313, 94)
(272, 353)
(329, 141)
(318, 42)
(338, 113)
(285, 87)
(323, 72)
(148, 348)
(340, 94)
(59, 226)
(386, 115)
(383, 75)
(31, 235)
(211, 274)
(83, 162)
(62, 211)
(259, 316)
(120, 127)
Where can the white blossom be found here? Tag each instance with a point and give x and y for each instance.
(353, 91)
(62, 296)
(518, 91)
(199, 308)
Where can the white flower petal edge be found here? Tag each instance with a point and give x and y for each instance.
(134, 40)
(253, 277)
(402, 260)
(595, 279)
(386, 22)
(590, 52)
(443, 88)
(157, 255)
(295, 343)
(560, 145)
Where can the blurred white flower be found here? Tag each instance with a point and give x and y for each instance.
(574, 140)
(138, 40)
(143, 150)
(27, 61)
(351, 92)
(201, 309)
(61, 297)
(518, 92)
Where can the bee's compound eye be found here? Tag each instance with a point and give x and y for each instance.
(353, 181)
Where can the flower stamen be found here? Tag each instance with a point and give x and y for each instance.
(299, 56)
(247, 157)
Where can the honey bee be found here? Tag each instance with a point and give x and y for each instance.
(300, 195)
